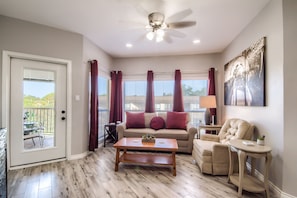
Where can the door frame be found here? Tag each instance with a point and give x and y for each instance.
(6, 65)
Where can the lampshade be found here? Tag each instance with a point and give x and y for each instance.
(207, 102)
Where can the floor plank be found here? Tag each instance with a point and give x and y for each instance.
(94, 176)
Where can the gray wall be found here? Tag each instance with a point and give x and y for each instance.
(24, 37)
(276, 119)
(290, 97)
(30, 38)
(191, 66)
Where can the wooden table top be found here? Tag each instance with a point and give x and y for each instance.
(161, 144)
(249, 146)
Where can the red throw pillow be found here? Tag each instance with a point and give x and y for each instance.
(157, 123)
(134, 120)
(176, 120)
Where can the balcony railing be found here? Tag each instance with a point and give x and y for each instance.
(44, 116)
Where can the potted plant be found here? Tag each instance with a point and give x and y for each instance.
(260, 140)
(148, 138)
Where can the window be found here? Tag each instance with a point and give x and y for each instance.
(103, 99)
(192, 89)
(163, 95)
(134, 95)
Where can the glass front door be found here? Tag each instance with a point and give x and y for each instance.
(37, 111)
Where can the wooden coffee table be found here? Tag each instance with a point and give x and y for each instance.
(161, 144)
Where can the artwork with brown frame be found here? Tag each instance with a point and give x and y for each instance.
(244, 83)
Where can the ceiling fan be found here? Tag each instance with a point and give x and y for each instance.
(157, 25)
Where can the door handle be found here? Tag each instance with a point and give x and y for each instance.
(63, 118)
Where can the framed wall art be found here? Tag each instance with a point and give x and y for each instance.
(244, 83)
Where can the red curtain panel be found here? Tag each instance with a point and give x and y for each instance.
(178, 104)
(119, 107)
(93, 141)
(116, 110)
(113, 79)
(211, 88)
(150, 98)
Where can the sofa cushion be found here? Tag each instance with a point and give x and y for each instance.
(147, 119)
(135, 120)
(163, 115)
(138, 132)
(157, 123)
(176, 120)
(178, 134)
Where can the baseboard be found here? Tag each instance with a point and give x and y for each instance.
(78, 156)
(35, 164)
(72, 157)
(278, 192)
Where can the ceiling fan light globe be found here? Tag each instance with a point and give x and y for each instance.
(160, 33)
(164, 26)
(159, 39)
(150, 35)
(148, 27)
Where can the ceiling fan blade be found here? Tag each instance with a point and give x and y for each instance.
(175, 33)
(167, 38)
(141, 10)
(181, 24)
(145, 7)
(179, 15)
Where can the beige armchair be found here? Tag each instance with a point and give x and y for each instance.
(211, 151)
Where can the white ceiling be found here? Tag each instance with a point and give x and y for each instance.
(111, 24)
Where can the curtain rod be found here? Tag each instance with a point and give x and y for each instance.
(166, 73)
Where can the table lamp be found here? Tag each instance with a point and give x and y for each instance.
(208, 102)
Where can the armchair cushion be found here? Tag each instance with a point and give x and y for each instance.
(210, 137)
(235, 129)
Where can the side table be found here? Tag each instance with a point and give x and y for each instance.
(245, 148)
(215, 128)
(110, 131)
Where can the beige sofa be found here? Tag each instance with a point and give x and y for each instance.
(211, 151)
(184, 137)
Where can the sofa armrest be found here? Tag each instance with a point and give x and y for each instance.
(191, 130)
(210, 137)
(120, 130)
(220, 153)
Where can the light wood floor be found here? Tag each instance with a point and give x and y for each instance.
(94, 176)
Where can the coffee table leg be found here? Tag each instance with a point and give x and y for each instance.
(116, 167)
(174, 164)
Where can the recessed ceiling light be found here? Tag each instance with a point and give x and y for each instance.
(129, 45)
(196, 41)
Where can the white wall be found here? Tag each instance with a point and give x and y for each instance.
(270, 120)
(290, 97)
